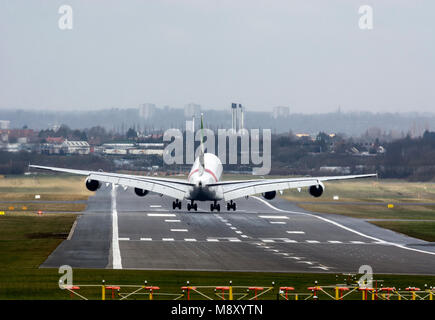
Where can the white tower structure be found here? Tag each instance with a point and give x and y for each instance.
(242, 125)
(234, 117)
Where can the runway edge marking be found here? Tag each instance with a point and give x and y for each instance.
(116, 253)
(345, 228)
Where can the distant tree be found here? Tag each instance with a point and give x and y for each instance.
(131, 134)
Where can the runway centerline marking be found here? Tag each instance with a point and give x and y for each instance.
(167, 239)
(179, 230)
(161, 215)
(343, 227)
(213, 240)
(146, 239)
(334, 241)
(296, 232)
(312, 241)
(124, 239)
(278, 222)
(357, 242)
(189, 240)
(155, 206)
(116, 253)
(169, 220)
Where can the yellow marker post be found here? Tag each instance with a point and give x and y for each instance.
(230, 293)
(390, 206)
(151, 294)
(2, 213)
(296, 297)
(103, 292)
(336, 293)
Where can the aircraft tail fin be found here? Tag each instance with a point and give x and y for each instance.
(201, 151)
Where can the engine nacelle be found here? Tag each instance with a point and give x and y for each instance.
(317, 190)
(269, 195)
(140, 192)
(93, 185)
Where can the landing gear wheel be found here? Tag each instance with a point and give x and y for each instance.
(218, 207)
(231, 205)
(176, 204)
(195, 206)
(211, 207)
(189, 206)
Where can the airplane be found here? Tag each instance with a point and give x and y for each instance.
(203, 183)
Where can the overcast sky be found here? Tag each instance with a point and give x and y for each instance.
(308, 55)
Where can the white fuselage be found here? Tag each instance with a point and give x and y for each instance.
(201, 177)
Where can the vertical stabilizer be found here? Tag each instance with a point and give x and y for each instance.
(201, 151)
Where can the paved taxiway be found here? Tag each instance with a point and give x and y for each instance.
(121, 230)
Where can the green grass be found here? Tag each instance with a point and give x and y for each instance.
(416, 229)
(369, 190)
(49, 187)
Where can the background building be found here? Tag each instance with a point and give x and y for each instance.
(147, 110)
(192, 110)
(4, 124)
(281, 112)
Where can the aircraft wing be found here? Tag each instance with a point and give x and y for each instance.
(237, 189)
(169, 187)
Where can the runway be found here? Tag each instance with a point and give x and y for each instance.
(123, 231)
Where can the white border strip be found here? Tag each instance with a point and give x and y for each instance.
(116, 253)
(345, 228)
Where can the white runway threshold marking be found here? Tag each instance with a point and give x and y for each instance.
(116, 253)
(343, 227)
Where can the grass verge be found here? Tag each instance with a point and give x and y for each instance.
(421, 230)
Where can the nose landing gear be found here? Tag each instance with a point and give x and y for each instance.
(176, 204)
(216, 206)
(231, 205)
(192, 205)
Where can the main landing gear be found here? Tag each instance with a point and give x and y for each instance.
(176, 204)
(192, 205)
(231, 205)
(216, 206)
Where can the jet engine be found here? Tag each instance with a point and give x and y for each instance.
(140, 192)
(93, 185)
(269, 195)
(316, 190)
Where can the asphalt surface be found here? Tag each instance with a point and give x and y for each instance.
(122, 230)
